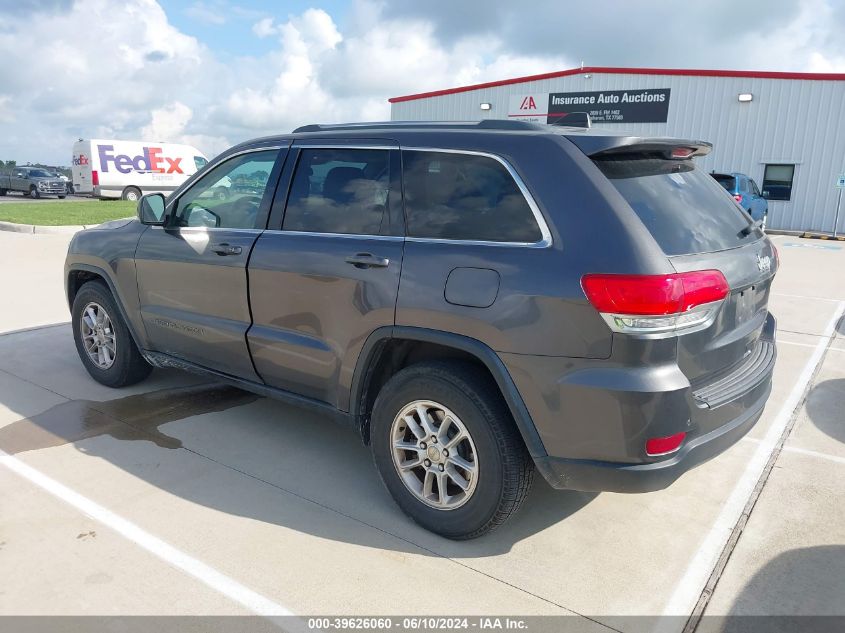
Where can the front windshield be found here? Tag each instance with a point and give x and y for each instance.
(39, 173)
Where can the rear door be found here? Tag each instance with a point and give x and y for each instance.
(699, 228)
(326, 273)
(192, 279)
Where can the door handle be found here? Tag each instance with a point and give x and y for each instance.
(367, 260)
(226, 249)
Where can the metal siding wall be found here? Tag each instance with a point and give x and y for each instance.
(789, 121)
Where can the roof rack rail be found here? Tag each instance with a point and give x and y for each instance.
(485, 124)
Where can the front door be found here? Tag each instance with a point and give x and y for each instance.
(192, 278)
(328, 275)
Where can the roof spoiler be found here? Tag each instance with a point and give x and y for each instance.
(608, 146)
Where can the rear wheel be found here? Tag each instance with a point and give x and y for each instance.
(2, 192)
(102, 338)
(447, 449)
(133, 194)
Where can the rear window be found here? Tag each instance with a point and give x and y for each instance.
(684, 208)
(726, 181)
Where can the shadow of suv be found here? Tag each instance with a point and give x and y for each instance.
(477, 299)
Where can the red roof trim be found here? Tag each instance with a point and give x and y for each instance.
(758, 74)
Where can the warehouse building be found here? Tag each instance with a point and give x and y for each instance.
(786, 131)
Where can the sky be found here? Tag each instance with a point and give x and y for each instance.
(212, 73)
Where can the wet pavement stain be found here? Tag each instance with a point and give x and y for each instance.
(136, 417)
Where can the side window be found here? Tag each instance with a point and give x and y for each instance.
(340, 191)
(754, 188)
(777, 182)
(200, 162)
(464, 197)
(229, 195)
(745, 187)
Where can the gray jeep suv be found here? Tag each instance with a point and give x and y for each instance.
(477, 300)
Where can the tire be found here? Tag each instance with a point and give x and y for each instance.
(503, 468)
(34, 193)
(2, 192)
(127, 366)
(132, 194)
(62, 197)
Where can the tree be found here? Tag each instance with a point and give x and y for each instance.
(11, 163)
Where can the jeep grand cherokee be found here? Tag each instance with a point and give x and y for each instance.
(476, 299)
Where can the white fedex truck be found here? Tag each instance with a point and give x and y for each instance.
(129, 169)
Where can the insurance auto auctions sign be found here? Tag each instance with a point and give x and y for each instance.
(604, 106)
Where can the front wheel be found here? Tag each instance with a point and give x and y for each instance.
(447, 449)
(34, 193)
(103, 340)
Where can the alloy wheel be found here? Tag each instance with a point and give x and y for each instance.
(434, 455)
(98, 335)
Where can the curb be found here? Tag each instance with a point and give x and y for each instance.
(823, 236)
(41, 230)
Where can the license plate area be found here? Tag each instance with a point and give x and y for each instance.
(745, 302)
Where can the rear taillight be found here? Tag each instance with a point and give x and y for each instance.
(95, 178)
(664, 445)
(657, 304)
(738, 197)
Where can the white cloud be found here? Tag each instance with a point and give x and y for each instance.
(7, 114)
(130, 73)
(265, 27)
(167, 122)
(201, 12)
(323, 75)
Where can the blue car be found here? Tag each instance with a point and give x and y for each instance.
(747, 194)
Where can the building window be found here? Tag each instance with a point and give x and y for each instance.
(777, 182)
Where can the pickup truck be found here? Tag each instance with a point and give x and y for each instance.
(33, 182)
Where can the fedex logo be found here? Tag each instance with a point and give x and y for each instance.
(82, 159)
(150, 161)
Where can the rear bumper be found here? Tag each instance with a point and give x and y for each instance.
(594, 417)
(598, 476)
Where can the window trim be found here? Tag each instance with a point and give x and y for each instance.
(545, 240)
(791, 181)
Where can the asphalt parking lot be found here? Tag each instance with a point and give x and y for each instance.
(17, 197)
(178, 496)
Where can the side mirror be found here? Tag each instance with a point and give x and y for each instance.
(151, 209)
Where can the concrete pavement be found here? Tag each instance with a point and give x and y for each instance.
(287, 505)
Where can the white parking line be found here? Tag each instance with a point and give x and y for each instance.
(803, 451)
(209, 576)
(688, 590)
(786, 294)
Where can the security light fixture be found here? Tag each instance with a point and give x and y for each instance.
(486, 106)
(745, 97)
